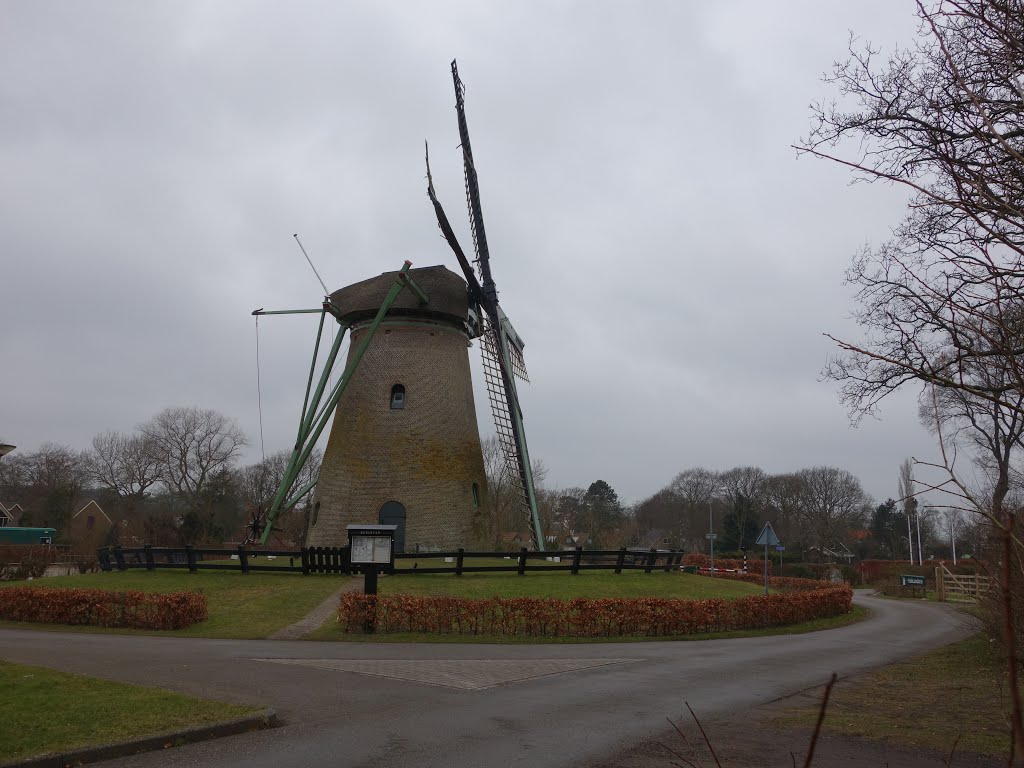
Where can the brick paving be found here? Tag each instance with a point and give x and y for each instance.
(318, 615)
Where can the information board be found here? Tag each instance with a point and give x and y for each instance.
(371, 549)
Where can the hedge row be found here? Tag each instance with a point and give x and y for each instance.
(100, 608)
(703, 561)
(781, 583)
(587, 617)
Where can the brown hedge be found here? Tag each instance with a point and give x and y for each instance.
(589, 617)
(101, 608)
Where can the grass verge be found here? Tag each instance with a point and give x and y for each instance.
(242, 606)
(55, 712)
(925, 702)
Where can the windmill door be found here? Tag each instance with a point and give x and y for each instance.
(393, 513)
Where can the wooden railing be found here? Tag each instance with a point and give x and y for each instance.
(961, 585)
(336, 560)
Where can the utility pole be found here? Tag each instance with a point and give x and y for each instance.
(910, 532)
(711, 535)
(920, 553)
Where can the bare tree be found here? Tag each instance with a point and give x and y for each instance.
(744, 489)
(785, 501)
(124, 464)
(695, 487)
(190, 446)
(834, 504)
(945, 120)
(942, 302)
(259, 482)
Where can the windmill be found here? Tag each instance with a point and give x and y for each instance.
(404, 445)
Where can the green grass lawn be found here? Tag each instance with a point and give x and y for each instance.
(566, 586)
(241, 606)
(927, 702)
(50, 711)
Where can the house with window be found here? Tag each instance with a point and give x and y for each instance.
(90, 525)
(10, 514)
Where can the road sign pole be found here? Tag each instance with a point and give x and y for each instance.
(767, 537)
(766, 565)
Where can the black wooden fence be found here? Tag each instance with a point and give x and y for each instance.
(336, 560)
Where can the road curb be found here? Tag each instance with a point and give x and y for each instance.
(265, 719)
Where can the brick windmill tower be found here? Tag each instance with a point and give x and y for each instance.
(404, 448)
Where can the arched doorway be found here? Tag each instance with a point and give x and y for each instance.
(393, 513)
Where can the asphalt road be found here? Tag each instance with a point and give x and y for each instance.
(559, 705)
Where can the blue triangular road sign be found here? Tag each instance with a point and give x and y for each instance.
(768, 536)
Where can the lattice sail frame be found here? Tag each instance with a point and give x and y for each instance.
(490, 351)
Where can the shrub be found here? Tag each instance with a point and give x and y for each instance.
(591, 617)
(703, 561)
(101, 608)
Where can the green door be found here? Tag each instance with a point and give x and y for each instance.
(393, 513)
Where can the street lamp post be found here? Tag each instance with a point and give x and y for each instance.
(711, 535)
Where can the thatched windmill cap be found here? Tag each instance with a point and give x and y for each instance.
(447, 291)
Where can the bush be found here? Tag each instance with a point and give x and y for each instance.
(101, 608)
(590, 617)
(819, 571)
(888, 571)
(18, 562)
(703, 561)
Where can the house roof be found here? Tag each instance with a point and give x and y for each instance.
(12, 512)
(92, 503)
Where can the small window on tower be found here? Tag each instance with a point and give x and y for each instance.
(397, 397)
(90, 522)
(476, 496)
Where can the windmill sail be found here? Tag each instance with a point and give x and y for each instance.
(502, 349)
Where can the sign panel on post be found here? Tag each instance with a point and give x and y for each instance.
(907, 580)
(767, 538)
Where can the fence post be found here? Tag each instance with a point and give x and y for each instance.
(458, 562)
(119, 558)
(305, 561)
(939, 591)
(522, 561)
(650, 560)
(576, 556)
(243, 558)
(147, 551)
(620, 560)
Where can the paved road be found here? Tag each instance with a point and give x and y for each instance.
(467, 706)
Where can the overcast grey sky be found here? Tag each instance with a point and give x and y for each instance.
(668, 260)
